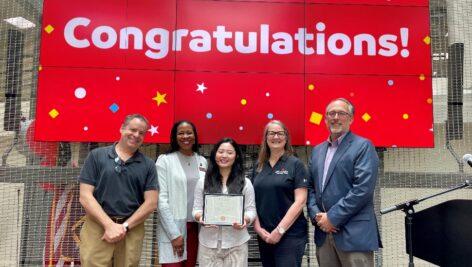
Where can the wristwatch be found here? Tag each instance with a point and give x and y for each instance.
(281, 230)
(126, 225)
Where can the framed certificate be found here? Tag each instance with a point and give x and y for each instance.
(223, 209)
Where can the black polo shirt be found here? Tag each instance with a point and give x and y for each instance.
(274, 188)
(119, 186)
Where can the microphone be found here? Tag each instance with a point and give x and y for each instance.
(387, 210)
(468, 159)
(400, 206)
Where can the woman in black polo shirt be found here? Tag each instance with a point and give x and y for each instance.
(280, 183)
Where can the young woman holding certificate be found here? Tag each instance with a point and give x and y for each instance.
(224, 245)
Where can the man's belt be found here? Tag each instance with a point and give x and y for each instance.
(118, 219)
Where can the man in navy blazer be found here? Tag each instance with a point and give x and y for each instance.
(343, 172)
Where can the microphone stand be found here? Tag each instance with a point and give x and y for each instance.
(407, 208)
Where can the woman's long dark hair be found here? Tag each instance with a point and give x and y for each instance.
(236, 179)
(174, 146)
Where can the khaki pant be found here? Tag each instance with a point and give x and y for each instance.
(329, 256)
(95, 252)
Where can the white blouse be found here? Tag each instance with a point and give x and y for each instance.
(229, 237)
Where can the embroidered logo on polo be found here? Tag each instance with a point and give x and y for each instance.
(281, 171)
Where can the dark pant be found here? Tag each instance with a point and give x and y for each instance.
(287, 253)
(192, 247)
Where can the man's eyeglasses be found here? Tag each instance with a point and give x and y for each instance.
(280, 134)
(119, 165)
(341, 114)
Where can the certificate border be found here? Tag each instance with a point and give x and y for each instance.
(224, 195)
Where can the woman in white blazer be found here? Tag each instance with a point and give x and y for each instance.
(178, 172)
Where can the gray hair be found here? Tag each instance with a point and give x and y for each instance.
(350, 106)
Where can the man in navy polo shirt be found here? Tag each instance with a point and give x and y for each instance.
(118, 190)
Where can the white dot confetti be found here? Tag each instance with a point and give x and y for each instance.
(80, 93)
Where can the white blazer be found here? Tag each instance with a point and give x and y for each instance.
(172, 206)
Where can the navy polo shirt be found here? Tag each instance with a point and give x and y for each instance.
(119, 186)
(274, 188)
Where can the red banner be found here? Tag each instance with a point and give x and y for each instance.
(232, 66)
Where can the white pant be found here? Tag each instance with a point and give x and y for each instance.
(223, 257)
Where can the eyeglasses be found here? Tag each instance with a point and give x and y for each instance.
(280, 134)
(119, 165)
(341, 114)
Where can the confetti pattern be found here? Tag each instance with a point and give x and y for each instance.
(397, 116)
(90, 104)
(220, 113)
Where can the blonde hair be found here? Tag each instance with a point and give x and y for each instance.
(264, 150)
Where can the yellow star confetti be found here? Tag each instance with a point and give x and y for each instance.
(315, 118)
(243, 102)
(427, 40)
(366, 117)
(49, 28)
(160, 98)
(311, 87)
(53, 113)
(405, 116)
(422, 77)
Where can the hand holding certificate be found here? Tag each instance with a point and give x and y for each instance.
(223, 209)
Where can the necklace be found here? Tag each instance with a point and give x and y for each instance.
(186, 159)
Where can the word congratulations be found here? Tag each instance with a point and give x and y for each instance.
(159, 41)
